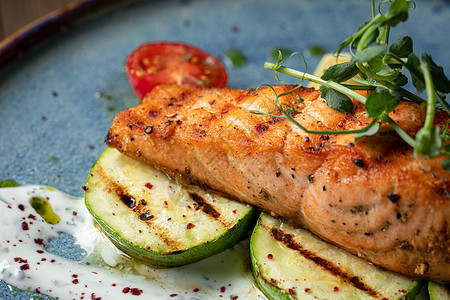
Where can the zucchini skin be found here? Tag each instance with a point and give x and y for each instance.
(196, 253)
(271, 291)
(438, 291)
(126, 173)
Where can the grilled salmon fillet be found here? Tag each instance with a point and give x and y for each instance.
(371, 197)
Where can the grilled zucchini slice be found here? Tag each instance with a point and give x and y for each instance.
(153, 218)
(438, 291)
(292, 263)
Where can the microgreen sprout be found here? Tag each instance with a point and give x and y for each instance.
(380, 68)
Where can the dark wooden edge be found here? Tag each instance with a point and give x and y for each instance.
(13, 46)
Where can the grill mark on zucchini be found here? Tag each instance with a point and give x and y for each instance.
(288, 241)
(127, 200)
(200, 203)
(209, 209)
(121, 192)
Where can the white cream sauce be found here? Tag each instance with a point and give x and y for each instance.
(103, 272)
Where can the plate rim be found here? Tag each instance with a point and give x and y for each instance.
(29, 36)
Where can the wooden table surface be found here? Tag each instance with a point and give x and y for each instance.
(16, 13)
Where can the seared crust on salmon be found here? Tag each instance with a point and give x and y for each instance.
(371, 197)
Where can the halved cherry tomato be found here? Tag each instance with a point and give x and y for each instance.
(173, 62)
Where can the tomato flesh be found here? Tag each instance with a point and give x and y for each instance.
(173, 62)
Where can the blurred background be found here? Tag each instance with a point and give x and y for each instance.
(16, 13)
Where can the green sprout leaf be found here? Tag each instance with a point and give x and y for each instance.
(413, 64)
(397, 12)
(371, 52)
(402, 47)
(340, 72)
(377, 63)
(440, 81)
(370, 130)
(337, 100)
(428, 142)
(401, 80)
(380, 104)
(388, 73)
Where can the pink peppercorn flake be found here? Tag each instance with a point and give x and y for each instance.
(133, 291)
(40, 251)
(173, 295)
(85, 188)
(234, 298)
(270, 256)
(32, 217)
(149, 185)
(190, 226)
(93, 297)
(223, 289)
(39, 241)
(75, 281)
(25, 267)
(21, 207)
(335, 289)
(196, 290)
(25, 226)
(291, 291)
(136, 291)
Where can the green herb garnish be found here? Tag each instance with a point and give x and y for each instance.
(316, 50)
(44, 209)
(236, 58)
(284, 51)
(8, 183)
(380, 67)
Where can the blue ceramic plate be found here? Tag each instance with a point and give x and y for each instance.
(58, 99)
